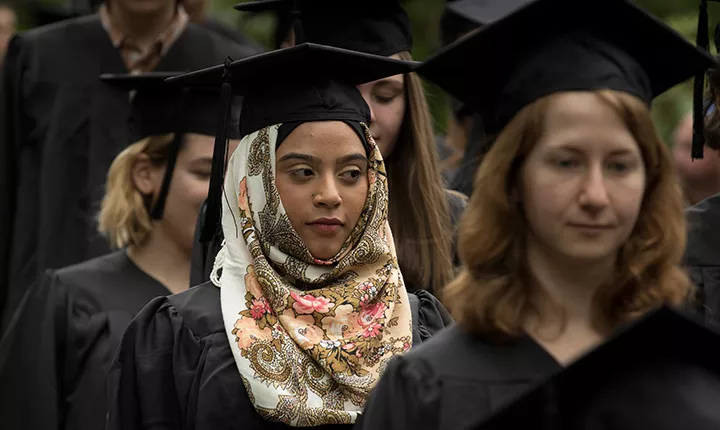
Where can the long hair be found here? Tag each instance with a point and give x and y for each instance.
(419, 210)
(125, 212)
(492, 295)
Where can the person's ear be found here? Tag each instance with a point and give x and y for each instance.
(145, 175)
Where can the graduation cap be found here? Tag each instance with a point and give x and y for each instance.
(307, 82)
(379, 27)
(158, 108)
(482, 12)
(550, 46)
(662, 372)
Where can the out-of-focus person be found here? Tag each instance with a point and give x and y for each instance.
(60, 127)
(700, 178)
(8, 20)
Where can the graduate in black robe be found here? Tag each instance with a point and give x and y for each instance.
(507, 338)
(178, 365)
(661, 373)
(60, 129)
(56, 354)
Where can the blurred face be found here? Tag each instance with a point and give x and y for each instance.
(387, 102)
(322, 181)
(7, 29)
(188, 188)
(142, 6)
(583, 184)
(695, 176)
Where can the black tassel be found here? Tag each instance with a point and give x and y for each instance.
(158, 209)
(213, 211)
(297, 26)
(698, 142)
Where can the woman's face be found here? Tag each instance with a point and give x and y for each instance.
(583, 184)
(323, 183)
(387, 102)
(188, 188)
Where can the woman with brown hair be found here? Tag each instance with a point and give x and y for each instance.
(61, 341)
(575, 227)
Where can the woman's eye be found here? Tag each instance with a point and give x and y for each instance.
(619, 166)
(202, 174)
(385, 98)
(302, 173)
(351, 174)
(566, 163)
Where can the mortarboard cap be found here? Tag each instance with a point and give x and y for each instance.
(483, 12)
(379, 27)
(158, 108)
(307, 82)
(549, 46)
(661, 373)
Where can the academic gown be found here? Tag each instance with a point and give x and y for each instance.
(175, 369)
(454, 381)
(60, 130)
(56, 355)
(702, 256)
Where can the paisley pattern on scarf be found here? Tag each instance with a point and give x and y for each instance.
(310, 337)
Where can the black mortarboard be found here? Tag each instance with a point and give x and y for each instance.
(662, 372)
(158, 108)
(483, 12)
(379, 27)
(549, 46)
(307, 82)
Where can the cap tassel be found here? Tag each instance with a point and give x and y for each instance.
(217, 176)
(158, 209)
(297, 23)
(698, 142)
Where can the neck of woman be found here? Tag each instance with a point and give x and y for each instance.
(163, 259)
(143, 28)
(565, 293)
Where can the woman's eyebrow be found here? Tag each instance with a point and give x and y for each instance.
(302, 157)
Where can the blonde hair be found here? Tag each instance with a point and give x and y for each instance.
(419, 211)
(492, 295)
(125, 212)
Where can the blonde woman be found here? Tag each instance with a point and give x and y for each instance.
(575, 226)
(65, 334)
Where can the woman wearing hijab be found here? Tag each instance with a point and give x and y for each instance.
(422, 212)
(311, 304)
(575, 227)
(58, 350)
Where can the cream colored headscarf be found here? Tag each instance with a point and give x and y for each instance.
(310, 337)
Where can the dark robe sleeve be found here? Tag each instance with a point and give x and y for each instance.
(408, 397)
(55, 358)
(429, 316)
(143, 393)
(30, 367)
(9, 153)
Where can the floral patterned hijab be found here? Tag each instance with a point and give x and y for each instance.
(309, 337)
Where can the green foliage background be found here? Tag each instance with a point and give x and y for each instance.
(425, 16)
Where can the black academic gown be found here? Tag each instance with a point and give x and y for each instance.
(702, 255)
(454, 381)
(61, 128)
(175, 369)
(56, 355)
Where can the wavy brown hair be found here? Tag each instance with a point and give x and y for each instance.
(492, 295)
(419, 211)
